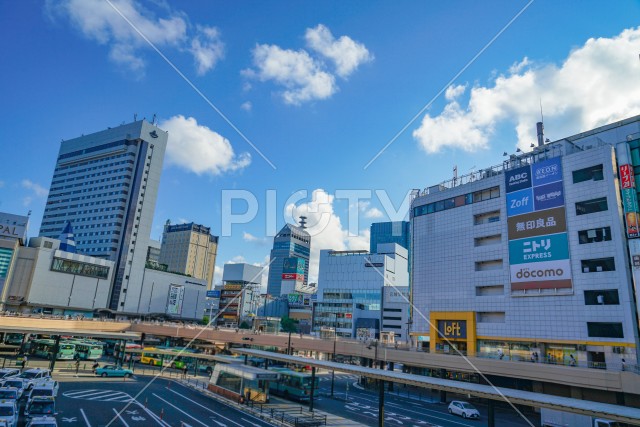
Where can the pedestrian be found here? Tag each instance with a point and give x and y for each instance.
(95, 366)
(184, 372)
(500, 354)
(77, 366)
(623, 364)
(24, 362)
(572, 360)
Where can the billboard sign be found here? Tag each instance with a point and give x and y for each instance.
(295, 299)
(213, 294)
(176, 296)
(518, 179)
(293, 265)
(452, 329)
(293, 276)
(5, 261)
(13, 226)
(629, 200)
(537, 227)
(627, 179)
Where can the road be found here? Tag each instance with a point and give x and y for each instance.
(352, 402)
(110, 402)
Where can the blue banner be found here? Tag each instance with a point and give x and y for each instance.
(551, 247)
(518, 179)
(520, 202)
(546, 172)
(549, 196)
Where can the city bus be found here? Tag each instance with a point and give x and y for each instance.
(13, 339)
(168, 357)
(88, 349)
(45, 348)
(240, 382)
(292, 385)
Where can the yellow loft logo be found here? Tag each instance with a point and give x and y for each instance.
(452, 328)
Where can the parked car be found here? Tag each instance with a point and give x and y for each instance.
(47, 388)
(32, 376)
(464, 409)
(9, 413)
(113, 371)
(8, 372)
(15, 382)
(41, 407)
(43, 422)
(10, 393)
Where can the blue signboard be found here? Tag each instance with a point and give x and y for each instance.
(549, 196)
(518, 179)
(452, 329)
(551, 247)
(520, 202)
(546, 172)
(213, 294)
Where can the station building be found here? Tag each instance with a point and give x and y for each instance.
(532, 259)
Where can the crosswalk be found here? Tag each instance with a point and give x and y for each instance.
(338, 377)
(98, 395)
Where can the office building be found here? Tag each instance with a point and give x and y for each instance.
(239, 294)
(153, 252)
(390, 232)
(291, 241)
(350, 285)
(394, 312)
(528, 260)
(106, 184)
(189, 249)
(13, 234)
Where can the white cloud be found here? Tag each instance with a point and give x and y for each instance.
(207, 49)
(200, 150)
(248, 237)
(238, 259)
(364, 206)
(346, 54)
(217, 275)
(325, 228)
(246, 106)
(39, 190)
(26, 201)
(303, 76)
(596, 84)
(98, 21)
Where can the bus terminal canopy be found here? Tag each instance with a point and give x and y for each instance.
(129, 336)
(517, 397)
(251, 373)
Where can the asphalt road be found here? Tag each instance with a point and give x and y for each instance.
(354, 403)
(136, 402)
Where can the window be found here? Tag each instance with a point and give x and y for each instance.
(597, 265)
(487, 217)
(594, 235)
(605, 330)
(591, 206)
(393, 310)
(602, 297)
(489, 265)
(487, 240)
(391, 318)
(493, 290)
(593, 173)
(491, 317)
(47, 245)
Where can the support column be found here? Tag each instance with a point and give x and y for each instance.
(313, 383)
(380, 403)
(391, 366)
(56, 349)
(443, 396)
(491, 415)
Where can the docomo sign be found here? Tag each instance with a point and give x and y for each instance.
(541, 275)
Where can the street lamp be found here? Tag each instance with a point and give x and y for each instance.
(335, 338)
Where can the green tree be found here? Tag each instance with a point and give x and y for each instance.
(288, 324)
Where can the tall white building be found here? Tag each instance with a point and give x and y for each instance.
(350, 285)
(106, 185)
(528, 259)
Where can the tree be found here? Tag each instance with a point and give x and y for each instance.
(288, 324)
(244, 325)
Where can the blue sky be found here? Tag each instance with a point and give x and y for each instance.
(318, 88)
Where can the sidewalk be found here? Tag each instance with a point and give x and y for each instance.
(332, 420)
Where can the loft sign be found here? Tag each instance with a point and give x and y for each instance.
(452, 328)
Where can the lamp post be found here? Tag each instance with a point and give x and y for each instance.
(335, 338)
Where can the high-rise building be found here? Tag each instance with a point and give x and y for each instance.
(189, 249)
(529, 260)
(390, 232)
(291, 241)
(239, 294)
(106, 184)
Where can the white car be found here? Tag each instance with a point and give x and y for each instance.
(10, 393)
(463, 409)
(43, 422)
(15, 382)
(9, 413)
(46, 388)
(9, 372)
(32, 376)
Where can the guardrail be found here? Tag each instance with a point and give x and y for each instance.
(296, 417)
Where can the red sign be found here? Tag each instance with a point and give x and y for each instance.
(348, 315)
(292, 276)
(627, 179)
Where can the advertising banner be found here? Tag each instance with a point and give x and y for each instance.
(627, 179)
(541, 275)
(293, 276)
(550, 221)
(546, 172)
(520, 202)
(293, 265)
(541, 248)
(548, 196)
(629, 200)
(213, 294)
(5, 261)
(452, 329)
(518, 179)
(295, 299)
(176, 296)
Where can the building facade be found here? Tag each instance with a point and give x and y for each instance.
(390, 232)
(13, 235)
(291, 241)
(528, 260)
(239, 294)
(350, 285)
(106, 184)
(394, 312)
(189, 249)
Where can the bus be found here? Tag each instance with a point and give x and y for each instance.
(13, 339)
(172, 357)
(45, 348)
(88, 349)
(292, 385)
(240, 382)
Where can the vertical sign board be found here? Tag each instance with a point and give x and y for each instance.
(536, 219)
(176, 296)
(629, 200)
(5, 261)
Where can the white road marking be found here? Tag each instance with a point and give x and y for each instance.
(85, 418)
(180, 410)
(69, 420)
(152, 415)
(217, 422)
(253, 424)
(121, 419)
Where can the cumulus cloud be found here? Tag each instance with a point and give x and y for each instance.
(346, 54)
(596, 84)
(199, 149)
(246, 106)
(98, 21)
(364, 206)
(38, 190)
(248, 237)
(325, 228)
(303, 76)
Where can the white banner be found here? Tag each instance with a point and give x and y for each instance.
(176, 296)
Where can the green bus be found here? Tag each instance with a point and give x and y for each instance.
(14, 339)
(45, 348)
(292, 385)
(88, 349)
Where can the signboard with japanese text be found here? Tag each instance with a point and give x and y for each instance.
(537, 228)
(213, 294)
(629, 200)
(176, 296)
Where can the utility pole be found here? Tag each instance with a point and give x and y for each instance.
(335, 338)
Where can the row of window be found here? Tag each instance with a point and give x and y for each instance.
(104, 159)
(83, 177)
(124, 143)
(454, 202)
(86, 190)
(107, 209)
(91, 183)
(79, 268)
(592, 173)
(92, 196)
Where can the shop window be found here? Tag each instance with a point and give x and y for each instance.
(598, 265)
(605, 330)
(593, 173)
(592, 206)
(593, 235)
(602, 297)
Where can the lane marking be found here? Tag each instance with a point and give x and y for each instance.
(180, 410)
(151, 414)
(253, 424)
(85, 418)
(121, 419)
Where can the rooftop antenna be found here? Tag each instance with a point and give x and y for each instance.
(540, 127)
(303, 222)
(135, 117)
(153, 120)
